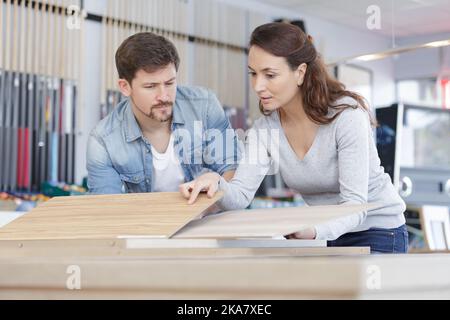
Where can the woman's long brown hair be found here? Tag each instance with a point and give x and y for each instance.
(319, 90)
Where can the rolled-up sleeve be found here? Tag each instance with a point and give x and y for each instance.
(102, 177)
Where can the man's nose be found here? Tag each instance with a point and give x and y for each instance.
(163, 95)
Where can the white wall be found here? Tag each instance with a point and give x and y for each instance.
(424, 62)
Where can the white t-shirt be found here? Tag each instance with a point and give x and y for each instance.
(167, 171)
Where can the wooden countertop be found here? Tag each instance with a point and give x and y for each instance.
(121, 277)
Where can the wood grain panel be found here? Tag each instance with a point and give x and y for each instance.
(107, 217)
(266, 223)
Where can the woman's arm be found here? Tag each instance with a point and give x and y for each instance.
(240, 190)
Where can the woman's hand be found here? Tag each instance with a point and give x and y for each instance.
(307, 234)
(208, 182)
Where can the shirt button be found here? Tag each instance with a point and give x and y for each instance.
(148, 150)
(148, 181)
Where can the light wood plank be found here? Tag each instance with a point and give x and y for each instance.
(266, 223)
(108, 249)
(274, 278)
(107, 217)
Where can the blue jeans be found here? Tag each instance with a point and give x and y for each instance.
(379, 240)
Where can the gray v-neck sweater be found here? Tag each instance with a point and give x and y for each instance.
(341, 167)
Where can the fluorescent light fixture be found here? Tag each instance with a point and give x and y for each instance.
(392, 52)
(437, 44)
(368, 57)
(371, 57)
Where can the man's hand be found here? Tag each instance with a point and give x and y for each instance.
(208, 182)
(307, 234)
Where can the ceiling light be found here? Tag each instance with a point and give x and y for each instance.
(391, 52)
(436, 44)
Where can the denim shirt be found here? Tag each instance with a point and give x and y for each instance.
(119, 157)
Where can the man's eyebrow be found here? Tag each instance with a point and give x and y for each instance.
(156, 83)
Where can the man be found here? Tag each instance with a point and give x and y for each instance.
(162, 135)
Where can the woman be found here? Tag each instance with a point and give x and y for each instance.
(326, 148)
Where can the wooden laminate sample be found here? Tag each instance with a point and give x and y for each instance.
(266, 223)
(107, 217)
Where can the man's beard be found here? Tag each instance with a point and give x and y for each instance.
(162, 117)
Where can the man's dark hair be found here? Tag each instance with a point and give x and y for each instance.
(146, 51)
